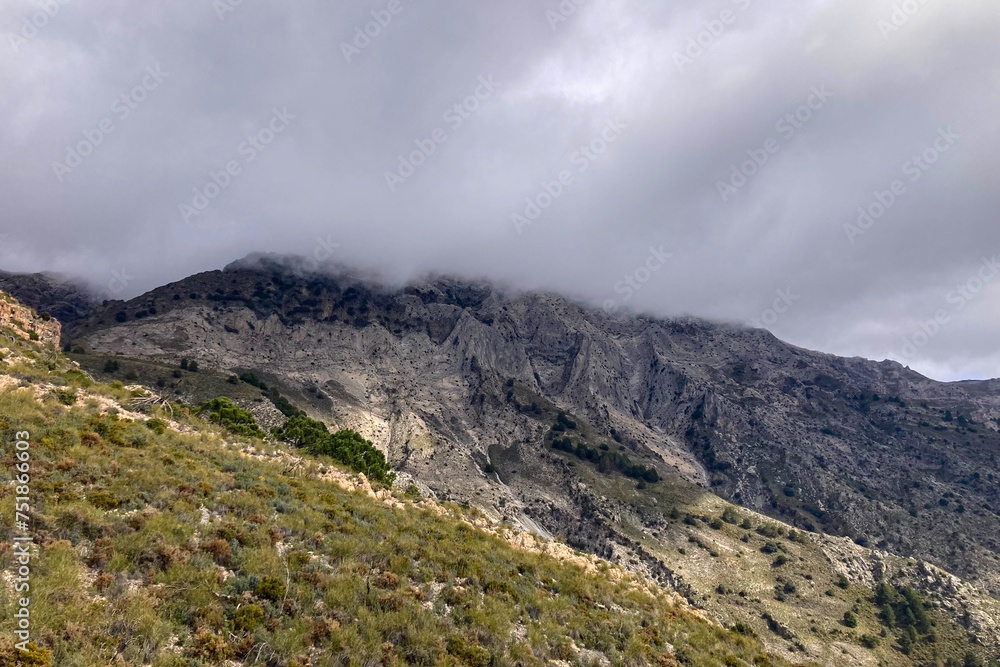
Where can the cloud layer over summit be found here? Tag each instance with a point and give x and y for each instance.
(827, 170)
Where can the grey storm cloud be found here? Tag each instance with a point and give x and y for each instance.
(827, 170)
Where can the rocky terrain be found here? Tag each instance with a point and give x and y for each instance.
(20, 320)
(65, 300)
(161, 539)
(551, 415)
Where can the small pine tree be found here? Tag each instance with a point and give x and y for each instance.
(888, 616)
(905, 644)
(884, 594)
(227, 414)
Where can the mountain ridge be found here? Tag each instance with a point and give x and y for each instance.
(460, 384)
(663, 529)
(665, 381)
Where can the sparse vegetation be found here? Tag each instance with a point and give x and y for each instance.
(607, 462)
(231, 417)
(345, 447)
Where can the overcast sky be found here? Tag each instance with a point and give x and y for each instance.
(629, 125)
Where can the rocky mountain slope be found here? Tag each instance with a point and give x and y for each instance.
(57, 295)
(553, 416)
(851, 447)
(153, 545)
(159, 539)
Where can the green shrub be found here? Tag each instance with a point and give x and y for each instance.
(157, 426)
(270, 588)
(500, 588)
(65, 396)
(298, 559)
(35, 656)
(231, 417)
(248, 617)
(468, 653)
(565, 421)
(283, 404)
(345, 447)
(109, 427)
(210, 647)
(103, 500)
(767, 530)
(972, 660)
(850, 620)
(907, 640)
(253, 380)
(901, 608)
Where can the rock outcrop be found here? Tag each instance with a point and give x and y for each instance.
(25, 322)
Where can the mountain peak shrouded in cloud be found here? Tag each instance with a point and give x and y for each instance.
(860, 221)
